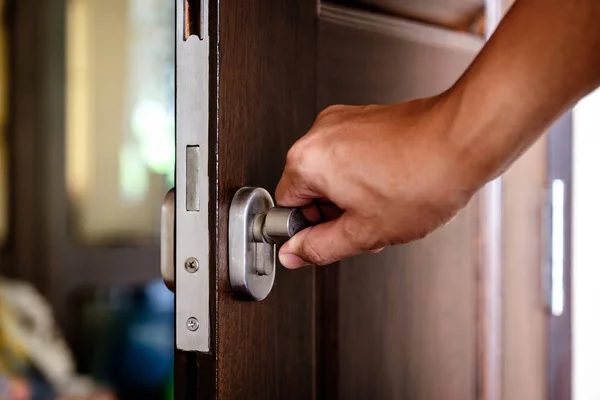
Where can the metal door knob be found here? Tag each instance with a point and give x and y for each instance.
(255, 226)
(278, 224)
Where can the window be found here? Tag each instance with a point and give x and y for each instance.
(120, 116)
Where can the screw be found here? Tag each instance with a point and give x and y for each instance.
(191, 265)
(192, 324)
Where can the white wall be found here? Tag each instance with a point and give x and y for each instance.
(586, 263)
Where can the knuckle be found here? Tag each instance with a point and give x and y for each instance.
(330, 111)
(296, 158)
(313, 254)
(358, 236)
(303, 156)
(293, 157)
(333, 109)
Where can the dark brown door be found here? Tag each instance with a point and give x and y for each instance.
(245, 93)
(413, 322)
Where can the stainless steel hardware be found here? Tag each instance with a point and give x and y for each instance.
(278, 224)
(192, 279)
(193, 182)
(255, 227)
(167, 235)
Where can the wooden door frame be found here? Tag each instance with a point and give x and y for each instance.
(489, 228)
(560, 355)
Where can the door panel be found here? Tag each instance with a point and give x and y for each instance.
(450, 13)
(407, 316)
(266, 102)
(262, 99)
(560, 341)
(367, 58)
(525, 316)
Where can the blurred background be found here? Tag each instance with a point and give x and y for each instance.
(86, 157)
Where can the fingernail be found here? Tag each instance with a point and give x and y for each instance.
(291, 261)
(376, 250)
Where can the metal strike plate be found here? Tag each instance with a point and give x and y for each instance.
(193, 152)
(255, 226)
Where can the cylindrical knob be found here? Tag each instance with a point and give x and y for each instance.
(278, 224)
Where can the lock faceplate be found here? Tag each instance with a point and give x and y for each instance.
(251, 262)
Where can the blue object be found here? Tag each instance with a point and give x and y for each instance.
(147, 354)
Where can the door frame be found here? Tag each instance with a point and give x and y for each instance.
(559, 362)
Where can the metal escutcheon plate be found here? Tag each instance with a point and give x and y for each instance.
(247, 257)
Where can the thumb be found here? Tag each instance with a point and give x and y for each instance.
(321, 244)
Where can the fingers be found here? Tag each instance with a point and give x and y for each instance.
(321, 211)
(297, 186)
(293, 192)
(321, 244)
(329, 210)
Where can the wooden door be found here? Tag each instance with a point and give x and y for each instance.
(456, 14)
(414, 322)
(408, 316)
(245, 92)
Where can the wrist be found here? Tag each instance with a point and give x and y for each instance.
(474, 133)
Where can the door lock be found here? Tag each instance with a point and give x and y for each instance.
(255, 227)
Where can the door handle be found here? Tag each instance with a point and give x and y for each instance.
(256, 226)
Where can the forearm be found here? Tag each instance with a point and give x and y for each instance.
(544, 56)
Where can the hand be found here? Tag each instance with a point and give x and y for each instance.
(383, 175)
(398, 172)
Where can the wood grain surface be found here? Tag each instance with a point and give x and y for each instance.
(407, 316)
(266, 101)
(455, 14)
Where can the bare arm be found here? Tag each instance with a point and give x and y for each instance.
(543, 58)
(395, 173)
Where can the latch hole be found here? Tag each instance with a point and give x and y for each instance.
(194, 19)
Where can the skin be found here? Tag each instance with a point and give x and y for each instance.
(375, 176)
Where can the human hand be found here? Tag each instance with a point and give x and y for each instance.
(380, 175)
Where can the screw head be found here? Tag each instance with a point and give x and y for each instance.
(191, 265)
(192, 324)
